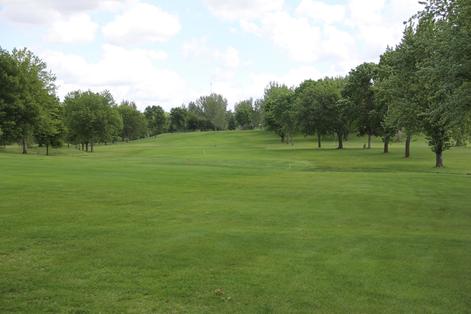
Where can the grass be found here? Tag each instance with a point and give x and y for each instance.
(235, 222)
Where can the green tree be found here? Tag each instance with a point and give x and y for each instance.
(134, 122)
(359, 89)
(178, 118)
(279, 111)
(91, 118)
(9, 91)
(26, 87)
(244, 113)
(213, 108)
(50, 129)
(156, 120)
(231, 120)
(344, 117)
(317, 107)
(399, 87)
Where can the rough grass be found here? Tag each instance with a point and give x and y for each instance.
(235, 222)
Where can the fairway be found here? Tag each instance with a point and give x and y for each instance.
(235, 222)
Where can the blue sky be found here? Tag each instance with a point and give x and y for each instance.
(170, 52)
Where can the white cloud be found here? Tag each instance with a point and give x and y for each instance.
(143, 80)
(73, 29)
(49, 11)
(243, 9)
(141, 23)
(322, 12)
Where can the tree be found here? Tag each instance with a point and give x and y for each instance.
(134, 122)
(213, 108)
(178, 117)
(442, 34)
(244, 113)
(359, 89)
(50, 129)
(316, 104)
(91, 117)
(26, 87)
(344, 116)
(279, 111)
(399, 87)
(156, 120)
(9, 90)
(257, 114)
(231, 120)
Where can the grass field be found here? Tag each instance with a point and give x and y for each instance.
(235, 222)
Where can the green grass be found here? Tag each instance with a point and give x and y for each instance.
(235, 222)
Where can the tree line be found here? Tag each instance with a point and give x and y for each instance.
(30, 111)
(421, 86)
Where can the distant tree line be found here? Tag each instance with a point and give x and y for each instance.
(30, 111)
(422, 86)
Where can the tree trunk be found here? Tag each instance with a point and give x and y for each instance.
(83, 147)
(386, 144)
(369, 141)
(47, 149)
(319, 143)
(91, 147)
(23, 144)
(282, 138)
(439, 159)
(340, 138)
(407, 153)
(86, 147)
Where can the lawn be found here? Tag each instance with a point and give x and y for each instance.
(235, 222)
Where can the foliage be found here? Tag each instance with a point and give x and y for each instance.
(156, 120)
(134, 122)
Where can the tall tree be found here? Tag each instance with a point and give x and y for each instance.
(91, 117)
(399, 87)
(317, 107)
(279, 111)
(27, 86)
(359, 89)
(244, 113)
(178, 118)
(156, 120)
(134, 122)
(50, 129)
(9, 91)
(213, 108)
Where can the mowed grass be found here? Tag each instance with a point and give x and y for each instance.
(235, 222)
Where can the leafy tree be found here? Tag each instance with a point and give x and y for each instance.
(91, 117)
(244, 113)
(213, 108)
(50, 129)
(441, 33)
(231, 120)
(399, 87)
(344, 116)
(178, 117)
(134, 122)
(26, 87)
(279, 111)
(257, 114)
(156, 120)
(359, 89)
(9, 90)
(317, 107)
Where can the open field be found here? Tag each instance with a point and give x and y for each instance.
(235, 222)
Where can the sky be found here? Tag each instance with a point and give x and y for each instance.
(168, 53)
